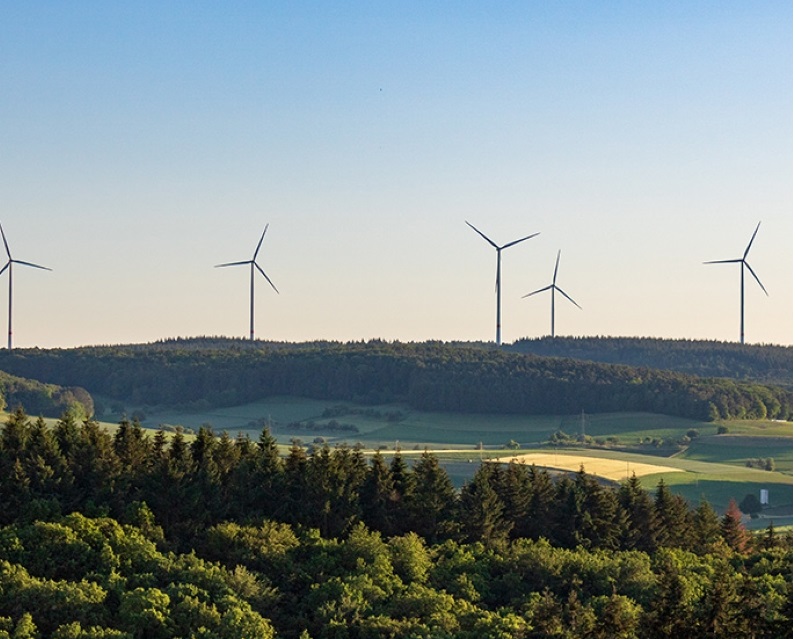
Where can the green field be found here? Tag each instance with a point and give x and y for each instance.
(418, 427)
(714, 465)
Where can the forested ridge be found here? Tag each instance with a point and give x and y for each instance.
(764, 363)
(135, 536)
(426, 376)
(44, 399)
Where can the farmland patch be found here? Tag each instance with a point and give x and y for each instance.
(612, 469)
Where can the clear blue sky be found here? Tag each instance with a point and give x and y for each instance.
(143, 142)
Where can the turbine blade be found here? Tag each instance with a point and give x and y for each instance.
(8, 252)
(3, 270)
(563, 293)
(260, 243)
(233, 264)
(723, 261)
(482, 235)
(266, 277)
(541, 290)
(555, 274)
(43, 268)
(756, 278)
(752, 240)
(504, 246)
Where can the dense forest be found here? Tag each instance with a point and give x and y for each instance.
(137, 536)
(49, 400)
(427, 376)
(763, 363)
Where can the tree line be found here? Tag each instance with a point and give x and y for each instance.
(44, 399)
(426, 376)
(760, 363)
(217, 536)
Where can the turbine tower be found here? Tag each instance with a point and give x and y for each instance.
(253, 264)
(499, 256)
(9, 265)
(743, 265)
(554, 287)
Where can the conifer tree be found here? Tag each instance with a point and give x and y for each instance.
(705, 527)
(643, 526)
(538, 522)
(296, 478)
(600, 524)
(514, 488)
(433, 500)
(403, 489)
(672, 514)
(45, 465)
(376, 496)
(732, 530)
(482, 513)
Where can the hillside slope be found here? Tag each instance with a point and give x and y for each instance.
(761, 363)
(428, 376)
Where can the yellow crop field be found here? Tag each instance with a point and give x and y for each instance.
(613, 469)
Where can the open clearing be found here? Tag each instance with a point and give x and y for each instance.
(612, 469)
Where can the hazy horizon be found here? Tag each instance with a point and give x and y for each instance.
(145, 143)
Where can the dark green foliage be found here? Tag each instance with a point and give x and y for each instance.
(767, 363)
(427, 376)
(750, 505)
(432, 501)
(482, 512)
(44, 399)
(188, 562)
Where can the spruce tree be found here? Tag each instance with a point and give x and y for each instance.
(482, 513)
(403, 489)
(643, 524)
(732, 530)
(376, 496)
(433, 501)
(672, 513)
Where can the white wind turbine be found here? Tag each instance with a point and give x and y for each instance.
(9, 265)
(554, 287)
(253, 263)
(743, 265)
(499, 250)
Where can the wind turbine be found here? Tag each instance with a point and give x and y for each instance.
(499, 256)
(253, 263)
(554, 287)
(9, 265)
(743, 265)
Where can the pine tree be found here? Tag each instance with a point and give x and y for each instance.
(672, 513)
(45, 465)
(403, 489)
(15, 433)
(732, 530)
(514, 489)
(482, 513)
(538, 521)
(296, 480)
(599, 524)
(376, 496)
(643, 526)
(705, 527)
(433, 501)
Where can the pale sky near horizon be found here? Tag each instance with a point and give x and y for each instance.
(143, 143)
